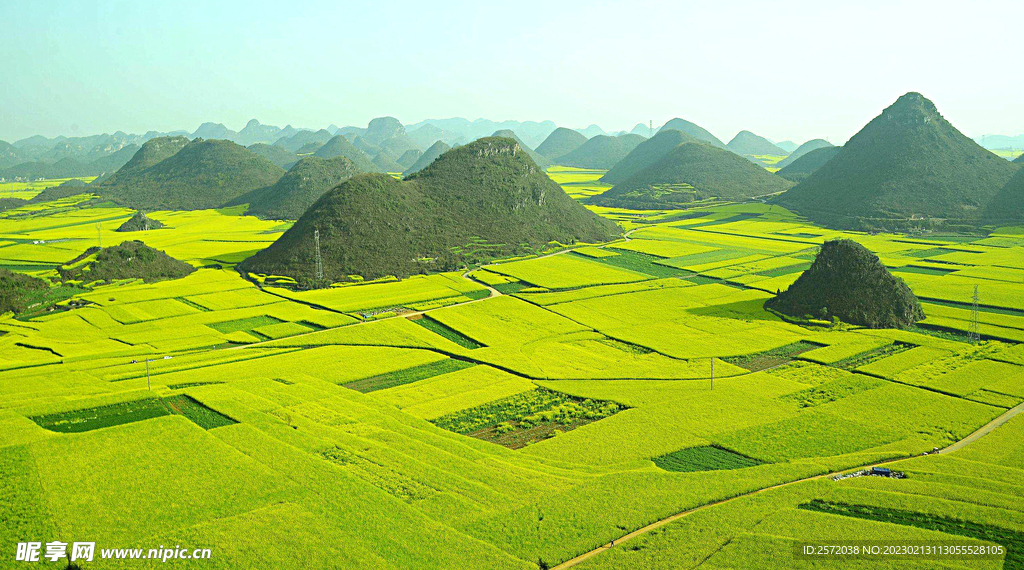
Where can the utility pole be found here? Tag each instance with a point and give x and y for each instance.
(319, 260)
(975, 332)
(149, 385)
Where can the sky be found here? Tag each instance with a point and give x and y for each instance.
(784, 69)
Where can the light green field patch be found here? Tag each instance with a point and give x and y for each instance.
(669, 249)
(892, 366)
(449, 393)
(988, 374)
(565, 272)
(281, 330)
(591, 251)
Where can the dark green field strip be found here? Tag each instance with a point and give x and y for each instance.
(447, 332)
(932, 252)
(192, 304)
(102, 416)
(517, 421)
(969, 306)
(809, 244)
(922, 270)
(869, 356)
(26, 267)
(706, 458)
(311, 325)
(773, 357)
(698, 279)
(683, 215)
(89, 419)
(706, 257)
(788, 270)
(408, 375)
(246, 325)
(958, 335)
(184, 385)
(1011, 539)
(510, 288)
(734, 218)
(202, 416)
(637, 262)
(943, 238)
(799, 235)
(477, 294)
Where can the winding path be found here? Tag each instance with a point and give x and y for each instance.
(983, 430)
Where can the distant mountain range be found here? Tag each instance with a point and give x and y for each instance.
(1001, 142)
(95, 155)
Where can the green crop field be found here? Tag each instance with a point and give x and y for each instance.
(703, 459)
(510, 414)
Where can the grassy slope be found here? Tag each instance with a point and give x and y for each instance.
(813, 144)
(804, 166)
(339, 146)
(428, 157)
(560, 142)
(374, 225)
(203, 174)
(646, 154)
(601, 152)
(711, 172)
(299, 188)
(908, 161)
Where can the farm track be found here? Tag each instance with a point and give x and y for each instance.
(977, 434)
(985, 429)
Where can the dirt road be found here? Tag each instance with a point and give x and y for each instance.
(987, 428)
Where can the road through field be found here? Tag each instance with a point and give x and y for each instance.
(987, 428)
(1002, 419)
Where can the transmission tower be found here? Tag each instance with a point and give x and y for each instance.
(975, 334)
(319, 261)
(650, 128)
(99, 236)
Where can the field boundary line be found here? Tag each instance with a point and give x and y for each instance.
(974, 436)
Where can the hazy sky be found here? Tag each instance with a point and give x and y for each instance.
(785, 70)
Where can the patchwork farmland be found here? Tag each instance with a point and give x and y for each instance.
(518, 414)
